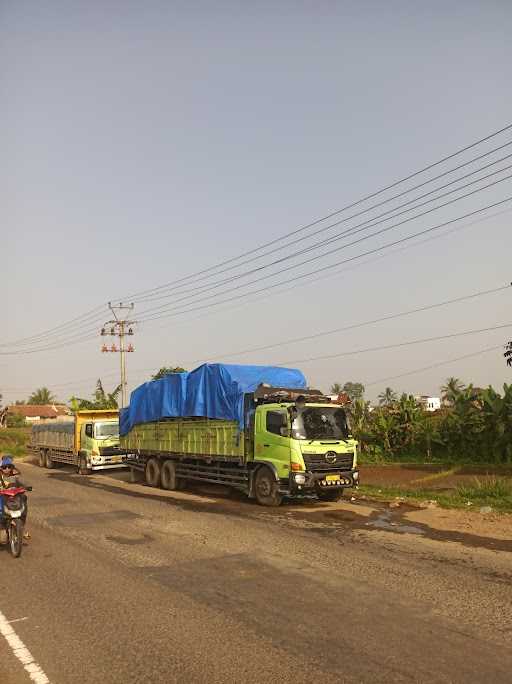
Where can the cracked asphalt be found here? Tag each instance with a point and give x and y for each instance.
(123, 583)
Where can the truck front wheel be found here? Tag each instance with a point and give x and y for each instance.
(83, 468)
(42, 458)
(266, 488)
(153, 473)
(168, 476)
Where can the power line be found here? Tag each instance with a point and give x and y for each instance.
(353, 326)
(434, 365)
(348, 218)
(80, 339)
(398, 345)
(27, 341)
(177, 311)
(196, 292)
(331, 273)
(332, 214)
(93, 314)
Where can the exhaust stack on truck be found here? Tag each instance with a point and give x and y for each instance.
(258, 429)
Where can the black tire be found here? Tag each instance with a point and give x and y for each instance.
(134, 476)
(15, 537)
(83, 469)
(330, 495)
(42, 458)
(168, 476)
(266, 488)
(153, 473)
(49, 463)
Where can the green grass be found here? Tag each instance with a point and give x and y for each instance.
(490, 491)
(14, 441)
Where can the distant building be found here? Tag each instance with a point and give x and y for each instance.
(429, 403)
(46, 412)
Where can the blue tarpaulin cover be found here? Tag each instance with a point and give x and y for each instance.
(214, 390)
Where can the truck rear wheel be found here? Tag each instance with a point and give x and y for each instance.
(168, 476)
(266, 488)
(153, 472)
(49, 463)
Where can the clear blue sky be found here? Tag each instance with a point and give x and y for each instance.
(141, 142)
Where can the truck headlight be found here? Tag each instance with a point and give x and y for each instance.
(299, 478)
(355, 475)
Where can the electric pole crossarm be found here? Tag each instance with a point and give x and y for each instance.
(120, 327)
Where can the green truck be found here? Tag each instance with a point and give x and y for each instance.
(89, 441)
(291, 442)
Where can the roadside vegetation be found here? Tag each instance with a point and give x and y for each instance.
(474, 426)
(14, 441)
(492, 492)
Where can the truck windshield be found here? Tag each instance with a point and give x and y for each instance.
(102, 430)
(320, 423)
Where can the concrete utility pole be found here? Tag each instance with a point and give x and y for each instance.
(120, 326)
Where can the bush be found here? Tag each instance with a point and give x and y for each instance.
(14, 441)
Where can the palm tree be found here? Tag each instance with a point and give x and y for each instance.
(102, 399)
(451, 390)
(388, 397)
(41, 396)
(336, 388)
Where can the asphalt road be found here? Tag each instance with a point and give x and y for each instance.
(122, 583)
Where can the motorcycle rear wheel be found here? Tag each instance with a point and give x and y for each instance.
(15, 537)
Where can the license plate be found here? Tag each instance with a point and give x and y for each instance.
(15, 514)
(115, 459)
(332, 478)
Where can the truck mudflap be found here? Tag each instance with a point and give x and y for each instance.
(308, 482)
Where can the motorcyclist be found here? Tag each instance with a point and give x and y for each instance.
(9, 478)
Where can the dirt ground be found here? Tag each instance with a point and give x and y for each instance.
(439, 477)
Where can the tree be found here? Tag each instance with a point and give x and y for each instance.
(355, 390)
(451, 390)
(358, 414)
(41, 396)
(167, 370)
(388, 397)
(102, 399)
(336, 388)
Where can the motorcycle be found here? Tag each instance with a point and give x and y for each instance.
(13, 514)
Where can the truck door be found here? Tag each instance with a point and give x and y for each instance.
(87, 437)
(271, 439)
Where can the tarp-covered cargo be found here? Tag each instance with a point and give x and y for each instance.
(211, 391)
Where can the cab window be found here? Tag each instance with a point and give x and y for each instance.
(275, 421)
(88, 429)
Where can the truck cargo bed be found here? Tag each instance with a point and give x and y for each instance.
(200, 438)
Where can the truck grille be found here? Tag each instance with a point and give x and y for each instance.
(328, 462)
(111, 451)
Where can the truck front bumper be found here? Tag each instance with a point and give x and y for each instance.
(107, 462)
(308, 482)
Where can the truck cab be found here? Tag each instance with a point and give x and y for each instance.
(97, 437)
(308, 447)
